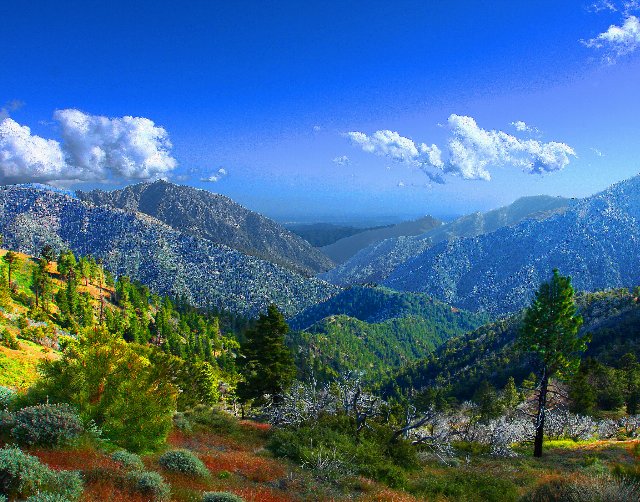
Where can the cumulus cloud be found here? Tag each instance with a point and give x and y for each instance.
(27, 157)
(342, 160)
(217, 176)
(524, 127)
(471, 150)
(93, 148)
(618, 40)
(599, 153)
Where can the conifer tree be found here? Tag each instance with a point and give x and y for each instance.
(550, 331)
(10, 258)
(268, 366)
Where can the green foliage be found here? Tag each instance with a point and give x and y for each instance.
(331, 449)
(9, 340)
(465, 485)
(268, 367)
(550, 328)
(46, 425)
(198, 382)
(149, 483)
(6, 397)
(184, 462)
(221, 497)
(128, 460)
(125, 389)
(22, 475)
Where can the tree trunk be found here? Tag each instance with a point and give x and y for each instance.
(542, 404)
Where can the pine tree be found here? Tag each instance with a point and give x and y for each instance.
(268, 366)
(10, 258)
(550, 331)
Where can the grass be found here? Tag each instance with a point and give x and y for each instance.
(18, 368)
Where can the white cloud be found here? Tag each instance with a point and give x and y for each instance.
(390, 144)
(599, 153)
(471, 150)
(317, 128)
(342, 160)
(93, 148)
(27, 157)
(618, 40)
(104, 148)
(217, 176)
(524, 127)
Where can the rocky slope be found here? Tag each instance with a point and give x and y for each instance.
(376, 262)
(596, 241)
(217, 218)
(168, 261)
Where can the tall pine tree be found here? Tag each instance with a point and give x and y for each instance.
(550, 331)
(268, 366)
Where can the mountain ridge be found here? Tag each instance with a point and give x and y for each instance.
(217, 218)
(168, 261)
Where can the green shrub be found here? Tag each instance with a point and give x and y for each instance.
(330, 448)
(9, 340)
(465, 485)
(128, 460)
(47, 497)
(181, 422)
(22, 475)
(149, 483)
(46, 425)
(221, 497)
(184, 462)
(6, 397)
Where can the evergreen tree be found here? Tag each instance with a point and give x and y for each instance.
(268, 366)
(41, 284)
(550, 331)
(10, 258)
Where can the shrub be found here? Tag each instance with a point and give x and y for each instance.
(47, 497)
(221, 497)
(128, 460)
(590, 489)
(9, 340)
(183, 461)
(465, 485)
(6, 397)
(149, 483)
(22, 475)
(46, 425)
(181, 422)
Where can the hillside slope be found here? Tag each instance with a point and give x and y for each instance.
(217, 218)
(377, 304)
(611, 319)
(376, 262)
(596, 241)
(137, 245)
(345, 248)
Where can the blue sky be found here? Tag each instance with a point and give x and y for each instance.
(267, 91)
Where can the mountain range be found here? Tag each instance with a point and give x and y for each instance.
(179, 264)
(595, 241)
(376, 262)
(206, 215)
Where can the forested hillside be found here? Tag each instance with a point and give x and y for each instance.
(489, 354)
(147, 250)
